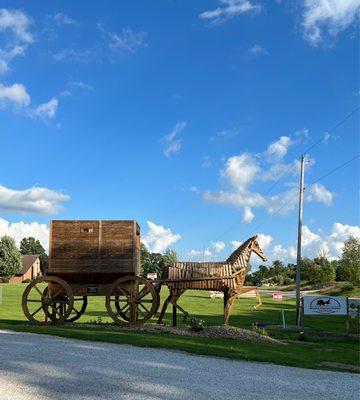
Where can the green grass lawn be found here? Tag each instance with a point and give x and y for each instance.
(198, 303)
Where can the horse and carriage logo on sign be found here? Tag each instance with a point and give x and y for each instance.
(326, 305)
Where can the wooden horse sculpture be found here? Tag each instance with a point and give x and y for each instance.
(228, 277)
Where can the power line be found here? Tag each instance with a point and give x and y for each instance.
(295, 194)
(335, 169)
(293, 164)
(325, 135)
(321, 139)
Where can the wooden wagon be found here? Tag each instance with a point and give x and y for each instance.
(92, 258)
(102, 258)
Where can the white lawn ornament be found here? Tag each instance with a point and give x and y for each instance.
(214, 294)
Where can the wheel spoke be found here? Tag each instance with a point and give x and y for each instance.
(143, 292)
(124, 311)
(35, 312)
(33, 301)
(142, 305)
(56, 294)
(38, 290)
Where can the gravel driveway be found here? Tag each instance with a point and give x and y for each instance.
(37, 367)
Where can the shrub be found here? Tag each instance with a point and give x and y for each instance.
(197, 324)
(259, 328)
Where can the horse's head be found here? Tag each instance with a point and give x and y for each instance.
(255, 247)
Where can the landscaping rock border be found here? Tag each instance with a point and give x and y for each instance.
(222, 331)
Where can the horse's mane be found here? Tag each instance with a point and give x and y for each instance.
(235, 254)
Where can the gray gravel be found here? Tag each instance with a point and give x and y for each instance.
(39, 367)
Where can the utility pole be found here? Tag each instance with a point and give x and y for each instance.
(298, 259)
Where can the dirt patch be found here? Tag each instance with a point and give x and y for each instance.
(347, 367)
(223, 331)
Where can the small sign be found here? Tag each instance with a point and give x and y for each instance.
(152, 275)
(277, 296)
(353, 308)
(324, 305)
(92, 289)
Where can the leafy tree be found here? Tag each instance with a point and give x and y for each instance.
(32, 246)
(170, 257)
(349, 265)
(326, 270)
(10, 258)
(155, 262)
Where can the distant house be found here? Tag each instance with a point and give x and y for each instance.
(31, 268)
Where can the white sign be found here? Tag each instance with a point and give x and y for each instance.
(277, 296)
(152, 275)
(325, 305)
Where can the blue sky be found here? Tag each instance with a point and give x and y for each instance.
(181, 115)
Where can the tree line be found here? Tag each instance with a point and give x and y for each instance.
(317, 271)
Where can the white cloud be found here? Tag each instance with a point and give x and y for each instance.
(258, 50)
(172, 145)
(199, 254)
(283, 254)
(46, 110)
(18, 23)
(264, 240)
(194, 189)
(218, 246)
(17, 26)
(36, 200)
(127, 40)
(206, 162)
(229, 9)
(80, 85)
(224, 135)
(308, 237)
(235, 244)
(71, 54)
(327, 18)
(243, 171)
(277, 150)
(318, 192)
(248, 215)
(158, 238)
(314, 244)
(193, 253)
(15, 95)
(244, 198)
(62, 19)
(20, 230)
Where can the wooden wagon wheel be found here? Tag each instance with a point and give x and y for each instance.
(131, 300)
(79, 307)
(45, 296)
